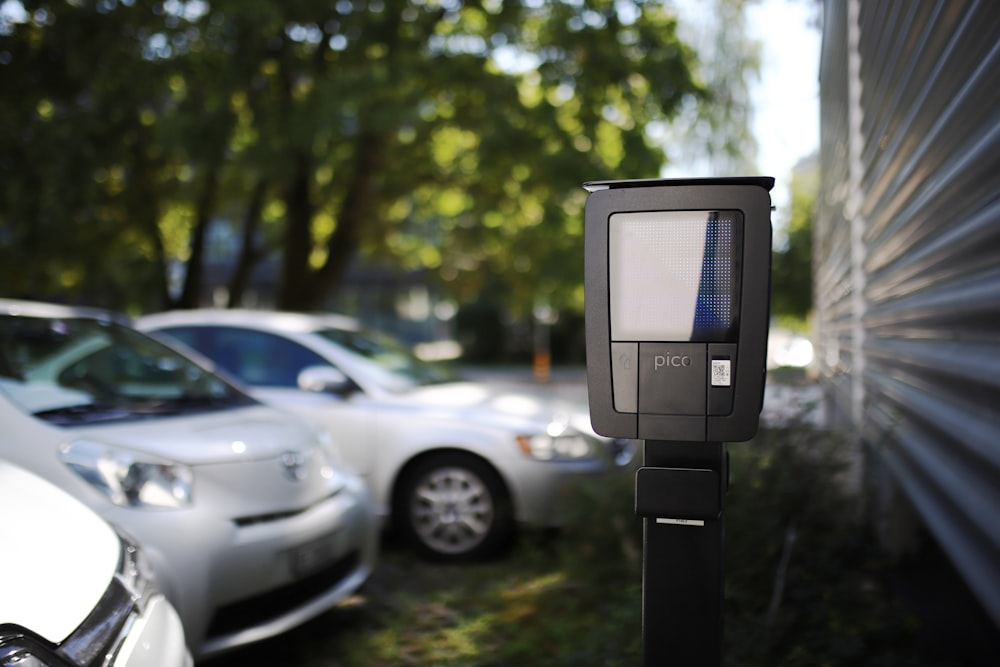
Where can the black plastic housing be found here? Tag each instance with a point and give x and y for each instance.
(730, 413)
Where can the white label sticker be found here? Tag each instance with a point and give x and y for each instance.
(721, 373)
(682, 522)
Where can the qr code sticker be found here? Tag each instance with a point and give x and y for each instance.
(721, 373)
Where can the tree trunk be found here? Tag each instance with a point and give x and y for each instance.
(250, 253)
(343, 244)
(190, 294)
(298, 238)
(147, 211)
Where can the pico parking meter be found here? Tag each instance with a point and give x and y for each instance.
(677, 279)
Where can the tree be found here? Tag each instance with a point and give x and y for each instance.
(414, 133)
(450, 135)
(712, 134)
(791, 267)
(78, 211)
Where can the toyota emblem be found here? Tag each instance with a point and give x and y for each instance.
(294, 465)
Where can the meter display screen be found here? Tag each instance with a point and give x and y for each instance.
(673, 275)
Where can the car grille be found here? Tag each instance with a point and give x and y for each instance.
(262, 608)
(244, 521)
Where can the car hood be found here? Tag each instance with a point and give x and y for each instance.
(520, 410)
(58, 556)
(249, 433)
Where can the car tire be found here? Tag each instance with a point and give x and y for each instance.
(454, 507)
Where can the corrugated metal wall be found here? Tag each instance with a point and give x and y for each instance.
(907, 269)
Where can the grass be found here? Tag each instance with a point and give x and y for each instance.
(804, 584)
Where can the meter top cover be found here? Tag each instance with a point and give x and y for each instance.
(677, 300)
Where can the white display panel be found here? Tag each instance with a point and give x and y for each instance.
(671, 275)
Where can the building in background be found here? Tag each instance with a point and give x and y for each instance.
(907, 268)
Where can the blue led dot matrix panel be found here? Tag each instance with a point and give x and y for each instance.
(673, 275)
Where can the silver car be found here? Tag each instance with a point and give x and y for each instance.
(250, 521)
(456, 464)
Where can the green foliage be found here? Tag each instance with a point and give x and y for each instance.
(320, 130)
(804, 581)
(791, 270)
(712, 135)
(75, 93)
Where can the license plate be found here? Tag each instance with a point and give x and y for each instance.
(314, 556)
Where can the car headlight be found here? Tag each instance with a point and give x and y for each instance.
(558, 443)
(129, 479)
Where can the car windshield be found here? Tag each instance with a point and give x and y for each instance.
(77, 370)
(390, 363)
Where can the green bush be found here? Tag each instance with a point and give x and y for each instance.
(804, 581)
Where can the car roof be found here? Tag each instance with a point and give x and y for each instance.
(271, 319)
(53, 310)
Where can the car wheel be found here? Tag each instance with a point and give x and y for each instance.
(454, 507)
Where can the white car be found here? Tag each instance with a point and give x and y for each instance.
(72, 589)
(455, 464)
(251, 523)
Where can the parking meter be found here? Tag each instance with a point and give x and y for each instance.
(677, 280)
(677, 300)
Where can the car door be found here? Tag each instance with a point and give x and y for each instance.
(269, 365)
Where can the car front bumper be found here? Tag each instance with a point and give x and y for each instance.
(239, 580)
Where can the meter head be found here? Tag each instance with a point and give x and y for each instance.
(677, 278)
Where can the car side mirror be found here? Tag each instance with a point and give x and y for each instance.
(324, 379)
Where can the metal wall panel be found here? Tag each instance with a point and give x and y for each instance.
(831, 242)
(908, 320)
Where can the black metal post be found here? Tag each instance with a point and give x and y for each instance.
(680, 493)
